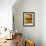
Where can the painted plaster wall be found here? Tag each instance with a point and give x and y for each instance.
(33, 33)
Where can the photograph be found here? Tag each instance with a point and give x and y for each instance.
(28, 18)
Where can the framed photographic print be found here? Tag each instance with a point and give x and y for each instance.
(29, 19)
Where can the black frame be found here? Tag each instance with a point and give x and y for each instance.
(33, 19)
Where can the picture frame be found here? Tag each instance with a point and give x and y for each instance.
(28, 19)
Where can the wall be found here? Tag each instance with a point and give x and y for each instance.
(6, 16)
(43, 22)
(6, 13)
(33, 33)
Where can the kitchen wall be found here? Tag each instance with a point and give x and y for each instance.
(33, 33)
